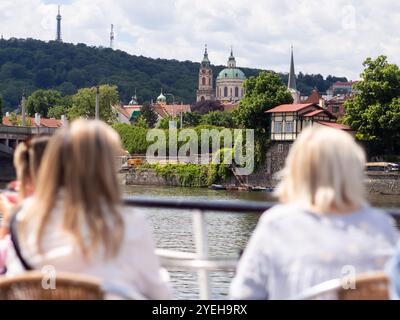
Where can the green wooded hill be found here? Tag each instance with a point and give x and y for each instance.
(28, 64)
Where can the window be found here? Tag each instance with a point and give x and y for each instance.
(236, 92)
(202, 98)
(335, 109)
(203, 81)
(289, 127)
(278, 127)
(225, 92)
(280, 148)
(209, 81)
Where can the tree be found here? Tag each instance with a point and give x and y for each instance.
(219, 119)
(57, 111)
(261, 94)
(41, 101)
(148, 114)
(164, 123)
(84, 103)
(191, 119)
(374, 112)
(14, 120)
(141, 122)
(45, 78)
(34, 64)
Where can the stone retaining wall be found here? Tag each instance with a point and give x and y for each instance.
(148, 177)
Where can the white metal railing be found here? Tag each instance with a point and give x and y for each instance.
(200, 261)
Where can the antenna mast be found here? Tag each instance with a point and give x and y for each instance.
(112, 37)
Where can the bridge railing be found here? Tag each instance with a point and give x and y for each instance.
(200, 260)
(26, 130)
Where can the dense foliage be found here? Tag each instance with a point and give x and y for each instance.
(374, 112)
(133, 137)
(219, 119)
(32, 64)
(84, 103)
(148, 114)
(190, 175)
(261, 94)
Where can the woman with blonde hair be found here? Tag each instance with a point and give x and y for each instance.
(27, 158)
(323, 227)
(76, 222)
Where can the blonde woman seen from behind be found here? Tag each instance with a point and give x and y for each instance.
(323, 228)
(76, 222)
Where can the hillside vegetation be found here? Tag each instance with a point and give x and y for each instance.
(28, 64)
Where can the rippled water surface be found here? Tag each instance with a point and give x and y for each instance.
(228, 233)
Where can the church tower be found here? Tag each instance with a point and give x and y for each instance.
(292, 82)
(205, 90)
(58, 37)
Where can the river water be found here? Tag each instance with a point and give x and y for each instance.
(228, 232)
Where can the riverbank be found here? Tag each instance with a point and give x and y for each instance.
(376, 182)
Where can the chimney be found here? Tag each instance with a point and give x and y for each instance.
(37, 119)
(64, 120)
(322, 103)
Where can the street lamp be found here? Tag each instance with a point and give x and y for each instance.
(173, 102)
(173, 97)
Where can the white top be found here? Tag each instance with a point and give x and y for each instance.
(293, 249)
(135, 268)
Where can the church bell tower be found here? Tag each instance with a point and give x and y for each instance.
(205, 90)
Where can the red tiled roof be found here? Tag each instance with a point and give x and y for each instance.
(50, 123)
(314, 97)
(335, 125)
(313, 113)
(127, 110)
(44, 122)
(174, 109)
(289, 107)
(160, 110)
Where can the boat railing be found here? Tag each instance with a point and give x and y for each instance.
(200, 260)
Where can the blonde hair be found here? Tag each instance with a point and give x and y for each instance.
(79, 162)
(324, 170)
(27, 158)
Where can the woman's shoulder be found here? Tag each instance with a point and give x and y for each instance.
(280, 213)
(136, 223)
(378, 217)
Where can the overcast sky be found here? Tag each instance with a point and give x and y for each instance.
(329, 37)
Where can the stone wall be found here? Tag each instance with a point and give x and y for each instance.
(267, 174)
(148, 177)
(384, 183)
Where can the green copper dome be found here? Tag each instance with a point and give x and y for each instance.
(231, 73)
(161, 98)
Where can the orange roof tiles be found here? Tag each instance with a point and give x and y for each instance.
(335, 125)
(44, 122)
(289, 107)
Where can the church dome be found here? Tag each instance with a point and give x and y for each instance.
(161, 98)
(231, 73)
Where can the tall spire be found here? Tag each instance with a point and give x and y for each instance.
(58, 18)
(292, 74)
(231, 60)
(205, 62)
